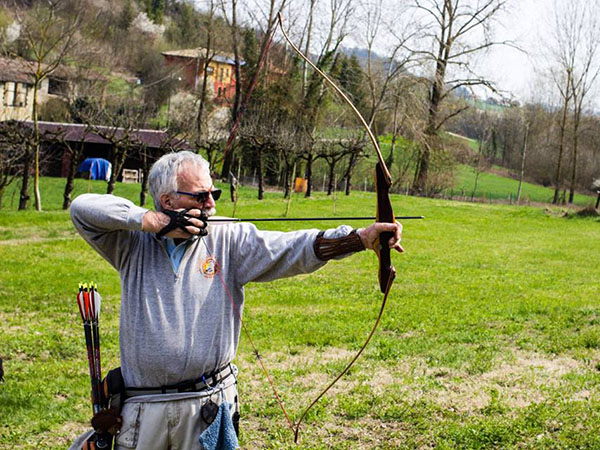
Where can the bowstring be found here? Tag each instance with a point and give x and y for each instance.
(290, 424)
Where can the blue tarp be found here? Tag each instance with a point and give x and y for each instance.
(99, 168)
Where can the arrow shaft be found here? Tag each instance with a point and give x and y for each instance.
(304, 219)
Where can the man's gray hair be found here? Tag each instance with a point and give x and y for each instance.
(163, 174)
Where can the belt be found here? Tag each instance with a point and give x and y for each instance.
(206, 381)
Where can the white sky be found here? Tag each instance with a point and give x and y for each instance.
(526, 22)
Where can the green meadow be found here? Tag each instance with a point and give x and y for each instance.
(491, 186)
(490, 338)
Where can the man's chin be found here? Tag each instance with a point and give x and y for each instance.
(210, 212)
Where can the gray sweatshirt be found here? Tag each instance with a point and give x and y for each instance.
(175, 326)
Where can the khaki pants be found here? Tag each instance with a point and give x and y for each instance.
(169, 421)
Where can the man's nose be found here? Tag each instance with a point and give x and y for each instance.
(210, 202)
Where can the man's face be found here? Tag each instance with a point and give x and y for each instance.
(193, 180)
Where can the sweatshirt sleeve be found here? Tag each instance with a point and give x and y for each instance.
(108, 223)
(268, 255)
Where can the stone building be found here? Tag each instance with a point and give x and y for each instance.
(17, 80)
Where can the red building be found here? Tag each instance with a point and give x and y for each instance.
(221, 71)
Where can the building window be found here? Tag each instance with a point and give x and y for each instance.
(9, 93)
(15, 94)
(20, 97)
(219, 93)
(221, 74)
(224, 92)
(58, 87)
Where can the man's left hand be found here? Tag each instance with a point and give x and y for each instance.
(369, 235)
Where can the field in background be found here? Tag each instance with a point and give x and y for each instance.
(491, 338)
(491, 186)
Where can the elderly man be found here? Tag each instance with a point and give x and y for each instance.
(182, 287)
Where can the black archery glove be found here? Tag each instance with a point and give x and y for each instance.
(181, 219)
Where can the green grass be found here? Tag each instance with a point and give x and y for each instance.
(472, 143)
(490, 339)
(495, 187)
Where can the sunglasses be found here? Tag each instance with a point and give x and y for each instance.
(201, 197)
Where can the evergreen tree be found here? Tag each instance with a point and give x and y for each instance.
(351, 78)
(158, 10)
(127, 16)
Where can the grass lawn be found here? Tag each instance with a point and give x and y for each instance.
(491, 338)
(495, 187)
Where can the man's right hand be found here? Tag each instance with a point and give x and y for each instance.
(155, 221)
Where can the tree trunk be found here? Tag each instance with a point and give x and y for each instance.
(24, 195)
(523, 154)
(561, 146)
(144, 185)
(118, 161)
(69, 184)
(331, 178)
(422, 169)
(494, 145)
(261, 164)
(201, 106)
(288, 180)
(36, 140)
(574, 168)
(308, 173)
(348, 177)
(390, 158)
(307, 46)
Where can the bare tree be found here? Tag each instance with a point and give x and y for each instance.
(565, 53)
(454, 29)
(232, 22)
(209, 54)
(270, 134)
(75, 150)
(334, 27)
(586, 69)
(118, 126)
(335, 150)
(405, 99)
(50, 30)
(523, 156)
(263, 14)
(355, 149)
(382, 72)
(14, 139)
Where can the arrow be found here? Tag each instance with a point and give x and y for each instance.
(88, 301)
(296, 219)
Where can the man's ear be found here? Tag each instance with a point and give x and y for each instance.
(166, 201)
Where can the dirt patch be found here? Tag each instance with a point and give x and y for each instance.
(518, 379)
(36, 240)
(63, 436)
(517, 382)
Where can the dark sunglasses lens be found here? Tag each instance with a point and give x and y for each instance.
(216, 194)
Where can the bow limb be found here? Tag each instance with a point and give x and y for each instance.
(359, 116)
(383, 182)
